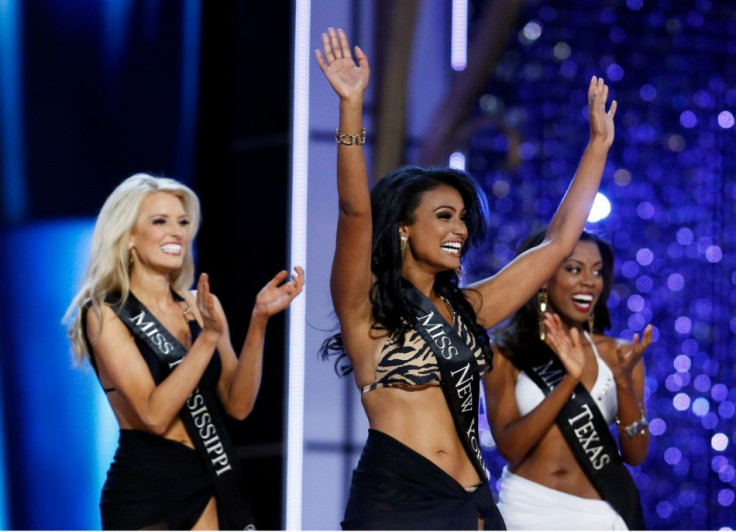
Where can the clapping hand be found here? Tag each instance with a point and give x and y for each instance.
(277, 294)
(565, 344)
(601, 122)
(211, 320)
(347, 78)
(628, 355)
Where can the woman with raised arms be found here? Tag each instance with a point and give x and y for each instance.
(415, 339)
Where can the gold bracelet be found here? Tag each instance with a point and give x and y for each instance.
(350, 140)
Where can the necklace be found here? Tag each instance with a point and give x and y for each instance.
(449, 306)
(186, 310)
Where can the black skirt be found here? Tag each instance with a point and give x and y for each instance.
(154, 483)
(394, 487)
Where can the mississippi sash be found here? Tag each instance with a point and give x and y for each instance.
(588, 436)
(459, 371)
(201, 415)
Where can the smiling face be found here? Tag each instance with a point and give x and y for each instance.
(161, 233)
(438, 231)
(576, 287)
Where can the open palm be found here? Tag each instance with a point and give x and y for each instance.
(629, 355)
(346, 77)
(565, 344)
(276, 295)
(601, 122)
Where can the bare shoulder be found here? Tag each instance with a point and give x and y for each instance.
(106, 319)
(606, 345)
(106, 332)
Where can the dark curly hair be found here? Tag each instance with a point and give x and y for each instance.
(393, 202)
(521, 333)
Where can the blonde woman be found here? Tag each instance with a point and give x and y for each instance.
(165, 361)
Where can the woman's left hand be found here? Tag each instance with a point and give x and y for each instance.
(275, 296)
(629, 355)
(601, 121)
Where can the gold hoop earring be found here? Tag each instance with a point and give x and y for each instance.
(542, 306)
(402, 245)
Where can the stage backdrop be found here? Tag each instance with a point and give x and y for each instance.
(669, 179)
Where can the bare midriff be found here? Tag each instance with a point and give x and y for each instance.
(129, 421)
(420, 419)
(552, 464)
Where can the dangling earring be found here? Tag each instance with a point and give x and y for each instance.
(459, 271)
(541, 311)
(591, 322)
(402, 245)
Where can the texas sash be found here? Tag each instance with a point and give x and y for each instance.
(587, 434)
(201, 415)
(459, 370)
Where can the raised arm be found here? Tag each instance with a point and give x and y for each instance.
(240, 378)
(351, 278)
(505, 292)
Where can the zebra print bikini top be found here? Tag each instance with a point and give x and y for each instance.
(414, 364)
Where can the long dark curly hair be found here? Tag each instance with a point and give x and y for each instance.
(393, 202)
(521, 333)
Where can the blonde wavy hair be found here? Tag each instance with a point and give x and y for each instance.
(108, 269)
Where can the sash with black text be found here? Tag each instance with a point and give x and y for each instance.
(201, 414)
(459, 370)
(588, 435)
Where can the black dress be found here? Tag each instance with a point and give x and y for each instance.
(396, 488)
(157, 483)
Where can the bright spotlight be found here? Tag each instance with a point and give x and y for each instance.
(601, 208)
(457, 161)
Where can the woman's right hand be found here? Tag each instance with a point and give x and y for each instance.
(566, 345)
(212, 323)
(347, 79)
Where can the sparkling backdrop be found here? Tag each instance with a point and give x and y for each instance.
(671, 181)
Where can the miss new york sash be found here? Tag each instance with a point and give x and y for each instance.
(587, 434)
(459, 371)
(201, 416)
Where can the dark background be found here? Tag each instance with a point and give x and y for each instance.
(243, 179)
(104, 94)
